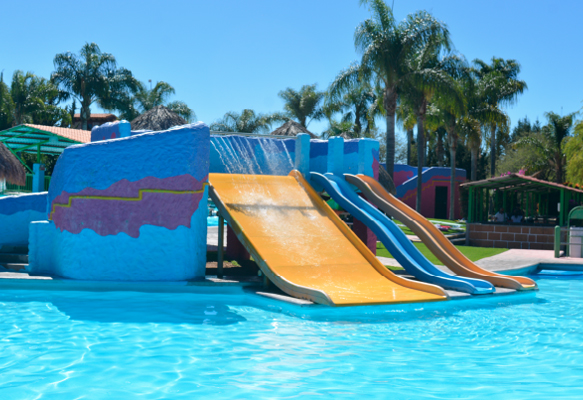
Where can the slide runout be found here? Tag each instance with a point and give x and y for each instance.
(435, 240)
(279, 218)
(394, 239)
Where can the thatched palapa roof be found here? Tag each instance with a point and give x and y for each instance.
(292, 128)
(11, 169)
(157, 119)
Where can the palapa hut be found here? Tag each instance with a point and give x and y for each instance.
(157, 119)
(11, 170)
(292, 128)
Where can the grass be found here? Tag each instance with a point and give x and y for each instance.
(408, 231)
(473, 253)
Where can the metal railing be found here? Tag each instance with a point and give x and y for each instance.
(567, 244)
(27, 188)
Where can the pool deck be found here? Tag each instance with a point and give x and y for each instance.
(511, 262)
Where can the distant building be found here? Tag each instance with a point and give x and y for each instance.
(94, 120)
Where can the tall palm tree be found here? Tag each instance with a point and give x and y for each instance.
(246, 122)
(427, 76)
(303, 104)
(92, 76)
(386, 49)
(503, 89)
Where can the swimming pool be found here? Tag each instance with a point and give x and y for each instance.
(122, 345)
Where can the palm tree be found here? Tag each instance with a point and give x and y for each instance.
(503, 89)
(24, 91)
(549, 144)
(150, 98)
(303, 104)
(387, 48)
(246, 122)
(354, 100)
(6, 105)
(180, 108)
(406, 118)
(427, 76)
(93, 76)
(35, 100)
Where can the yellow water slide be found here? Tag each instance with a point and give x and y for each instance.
(432, 237)
(302, 246)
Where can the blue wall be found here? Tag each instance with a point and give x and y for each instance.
(16, 213)
(268, 156)
(130, 209)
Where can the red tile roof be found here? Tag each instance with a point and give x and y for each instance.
(77, 135)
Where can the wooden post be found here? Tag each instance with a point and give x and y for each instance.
(562, 208)
(471, 206)
(557, 241)
(220, 248)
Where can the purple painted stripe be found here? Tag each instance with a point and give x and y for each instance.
(110, 217)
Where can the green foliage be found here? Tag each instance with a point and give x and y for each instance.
(35, 100)
(93, 76)
(355, 99)
(303, 104)
(246, 122)
(6, 105)
(541, 151)
(574, 154)
(180, 108)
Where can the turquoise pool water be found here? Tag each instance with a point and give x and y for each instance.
(126, 345)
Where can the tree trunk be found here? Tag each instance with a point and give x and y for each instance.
(84, 113)
(420, 159)
(493, 152)
(390, 101)
(439, 150)
(474, 163)
(409, 145)
(452, 153)
(357, 122)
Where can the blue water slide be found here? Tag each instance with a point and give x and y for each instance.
(394, 239)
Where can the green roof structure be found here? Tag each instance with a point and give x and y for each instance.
(536, 196)
(40, 139)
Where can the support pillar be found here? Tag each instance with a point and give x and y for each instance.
(220, 249)
(335, 164)
(38, 178)
(302, 161)
(365, 235)
(235, 249)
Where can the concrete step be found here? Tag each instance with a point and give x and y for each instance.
(14, 266)
(13, 258)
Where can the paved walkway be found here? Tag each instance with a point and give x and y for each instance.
(509, 260)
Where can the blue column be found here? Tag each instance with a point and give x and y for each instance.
(125, 129)
(365, 156)
(336, 156)
(302, 162)
(38, 178)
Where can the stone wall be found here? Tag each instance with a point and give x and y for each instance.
(511, 237)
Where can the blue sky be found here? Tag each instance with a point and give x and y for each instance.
(225, 55)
